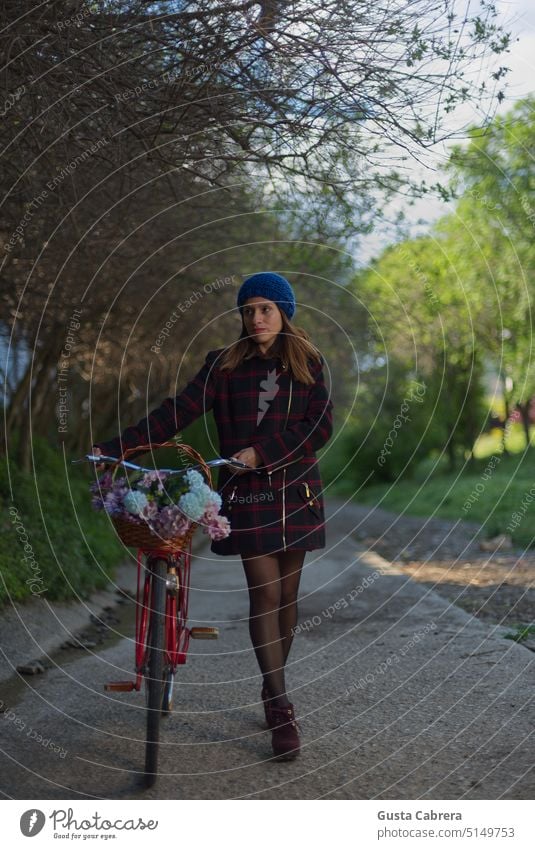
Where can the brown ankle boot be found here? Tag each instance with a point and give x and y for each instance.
(284, 734)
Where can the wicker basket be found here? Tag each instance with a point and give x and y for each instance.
(140, 535)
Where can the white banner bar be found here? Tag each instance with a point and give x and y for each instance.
(199, 824)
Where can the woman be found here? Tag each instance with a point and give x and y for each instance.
(273, 412)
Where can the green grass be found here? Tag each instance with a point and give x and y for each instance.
(521, 632)
(436, 492)
(74, 548)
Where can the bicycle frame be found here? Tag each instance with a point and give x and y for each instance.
(177, 634)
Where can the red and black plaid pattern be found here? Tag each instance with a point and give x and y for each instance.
(253, 502)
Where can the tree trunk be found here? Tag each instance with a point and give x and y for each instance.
(23, 453)
(523, 409)
(16, 403)
(450, 448)
(36, 393)
(507, 414)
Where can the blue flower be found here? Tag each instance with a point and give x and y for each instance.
(192, 505)
(212, 500)
(134, 502)
(195, 479)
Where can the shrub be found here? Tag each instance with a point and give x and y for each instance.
(62, 548)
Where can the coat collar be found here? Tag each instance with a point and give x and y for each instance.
(273, 352)
(267, 359)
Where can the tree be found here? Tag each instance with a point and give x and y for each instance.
(494, 178)
(419, 318)
(123, 117)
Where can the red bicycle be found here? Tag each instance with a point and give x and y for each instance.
(162, 633)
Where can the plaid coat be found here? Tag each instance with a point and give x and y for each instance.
(257, 405)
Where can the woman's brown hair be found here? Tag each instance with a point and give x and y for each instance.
(292, 343)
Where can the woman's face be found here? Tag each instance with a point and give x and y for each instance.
(262, 320)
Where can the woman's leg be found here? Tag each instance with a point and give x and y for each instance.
(290, 566)
(264, 582)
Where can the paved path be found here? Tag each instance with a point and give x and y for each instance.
(400, 694)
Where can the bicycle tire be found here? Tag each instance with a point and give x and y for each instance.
(155, 669)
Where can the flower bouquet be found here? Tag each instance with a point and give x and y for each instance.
(156, 509)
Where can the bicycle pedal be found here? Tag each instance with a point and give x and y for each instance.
(204, 633)
(126, 686)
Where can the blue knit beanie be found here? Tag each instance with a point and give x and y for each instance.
(267, 284)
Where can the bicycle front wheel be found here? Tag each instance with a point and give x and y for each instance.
(156, 672)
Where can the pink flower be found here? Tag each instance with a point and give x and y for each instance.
(150, 510)
(152, 477)
(217, 527)
(169, 522)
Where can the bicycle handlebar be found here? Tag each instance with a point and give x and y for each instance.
(217, 461)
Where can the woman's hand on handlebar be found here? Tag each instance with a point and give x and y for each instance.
(246, 455)
(99, 467)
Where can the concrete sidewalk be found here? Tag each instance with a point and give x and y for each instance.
(37, 627)
(400, 695)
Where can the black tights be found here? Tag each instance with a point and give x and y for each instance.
(273, 581)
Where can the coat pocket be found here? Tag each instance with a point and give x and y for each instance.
(307, 494)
